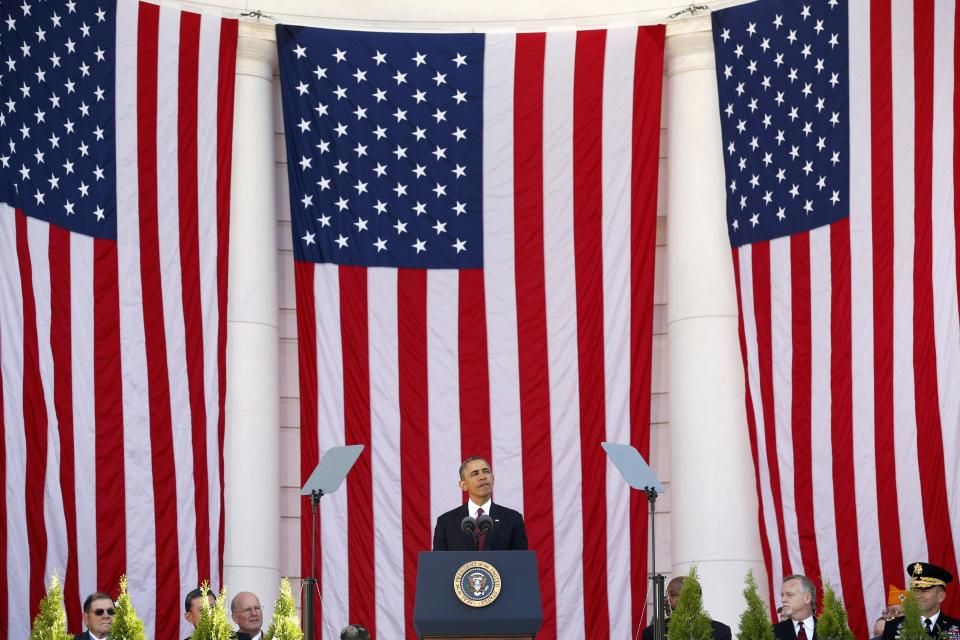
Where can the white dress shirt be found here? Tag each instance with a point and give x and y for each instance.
(472, 507)
(933, 620)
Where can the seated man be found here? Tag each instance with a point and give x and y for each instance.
(98, 612)
(799, 597)
(507, 532)
(894, 610)
(248, 614)
(720, 630)
(193, 604)
(929, 583)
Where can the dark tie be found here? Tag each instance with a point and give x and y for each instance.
(481, 537)
(802, 632)
(928, 625)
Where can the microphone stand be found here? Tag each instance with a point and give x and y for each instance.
(659, 620)
(310, 583)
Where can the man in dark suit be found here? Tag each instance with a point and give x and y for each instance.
(507, 532)
(799, 598)
(720, 630)
(98, 612)
(929, 584)
(248, 614)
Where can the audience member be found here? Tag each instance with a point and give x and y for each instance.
(799, 598)
(720, 630)
(929, 583)
(193, 604)
(248, 614)
(98, 612)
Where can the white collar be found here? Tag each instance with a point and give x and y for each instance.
(806, 622)
(472, 507)
(933, 619)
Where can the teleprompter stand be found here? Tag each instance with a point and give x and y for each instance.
(641, 477)
(326, 478)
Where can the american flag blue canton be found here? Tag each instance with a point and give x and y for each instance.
(57, 153)
(385, 146)
(782, 71)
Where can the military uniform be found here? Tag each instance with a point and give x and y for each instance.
(925, 576)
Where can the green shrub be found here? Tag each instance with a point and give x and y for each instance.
(285, 624)
(689, 621)
(51, 620)
(214, 623)
(755, 620)
(911, 628)
(127, 625)
(832, 622)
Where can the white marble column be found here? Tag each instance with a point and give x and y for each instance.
(252, 482)
(713, 501)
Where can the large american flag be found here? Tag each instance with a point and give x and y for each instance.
(840, 141)
(115, 148)
(474, 229)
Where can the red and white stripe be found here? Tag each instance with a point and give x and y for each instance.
(851, 335)
(531, 361)
(113, 353)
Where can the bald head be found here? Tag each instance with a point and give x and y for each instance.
(673, 590)
(247, 612)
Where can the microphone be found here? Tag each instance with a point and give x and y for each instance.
(484, 523)
(468, 525)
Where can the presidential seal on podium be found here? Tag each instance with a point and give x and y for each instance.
(477, 583)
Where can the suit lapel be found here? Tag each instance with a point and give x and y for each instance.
(494, 534)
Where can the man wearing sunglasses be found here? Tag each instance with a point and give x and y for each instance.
(98, 615)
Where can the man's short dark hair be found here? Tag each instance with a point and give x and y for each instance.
(808, 586)
(96, 595)
(193, 595)
(468, 461)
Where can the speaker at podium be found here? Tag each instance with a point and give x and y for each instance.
(477, 595)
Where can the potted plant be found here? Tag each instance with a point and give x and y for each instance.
(214, 623)
(832, 622)
(285, 625)
(51, 621)
(126, 625)
(755, 620)
(689, 621)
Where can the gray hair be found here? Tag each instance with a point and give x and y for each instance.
(808, 586)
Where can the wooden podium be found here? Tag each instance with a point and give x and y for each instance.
(516, 613)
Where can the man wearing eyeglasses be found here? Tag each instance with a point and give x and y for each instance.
(248, 615)
(98, 615)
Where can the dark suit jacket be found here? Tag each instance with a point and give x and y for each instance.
(787, 630)
(720, 631)
(507, 533)
(944, 624)
(83, 636)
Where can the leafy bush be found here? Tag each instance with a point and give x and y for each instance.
(214, 623)
(285, 624)
(127, 625)
(51, 621)
(689, 621)
(755, 620)
(832, 623)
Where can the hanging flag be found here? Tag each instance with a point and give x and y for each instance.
(474, 222)
(115, 149)
(839, 135)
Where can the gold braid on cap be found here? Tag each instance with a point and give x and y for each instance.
(925, 582)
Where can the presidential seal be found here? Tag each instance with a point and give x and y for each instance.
(477, 583)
